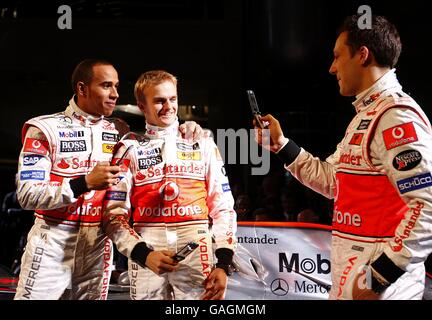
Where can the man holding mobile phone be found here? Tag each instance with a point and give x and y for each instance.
(379, 176)
(175, 186)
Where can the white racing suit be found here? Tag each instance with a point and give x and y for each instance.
(380, 178)
(173, 187)
(66, 247)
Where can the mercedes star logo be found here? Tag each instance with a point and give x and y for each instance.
(279, 287)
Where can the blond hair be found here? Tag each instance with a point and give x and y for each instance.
(149, 79)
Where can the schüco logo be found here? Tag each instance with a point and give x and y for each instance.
(306, 265)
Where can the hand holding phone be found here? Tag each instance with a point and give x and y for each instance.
(185, 251)
(121, 159)
(255, 110)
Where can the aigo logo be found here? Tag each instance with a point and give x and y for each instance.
(169, 191)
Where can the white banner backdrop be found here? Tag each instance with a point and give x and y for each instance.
(281, 261)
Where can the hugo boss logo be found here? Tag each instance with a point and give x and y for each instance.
(73, 146)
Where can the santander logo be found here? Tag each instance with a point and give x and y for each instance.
(140, 176)
(63, 164)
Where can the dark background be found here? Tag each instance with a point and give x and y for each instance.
(280, 48)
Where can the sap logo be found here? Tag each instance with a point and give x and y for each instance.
(307, 265)
(31, 160)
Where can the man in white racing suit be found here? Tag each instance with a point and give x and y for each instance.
(173, 187)
(64, 169)
(379, 176)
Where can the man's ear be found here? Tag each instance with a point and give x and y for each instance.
(81, 89)
(141, 106)
(365, 56)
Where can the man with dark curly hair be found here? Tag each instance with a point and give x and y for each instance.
(379, 176)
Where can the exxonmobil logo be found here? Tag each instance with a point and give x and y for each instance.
(295, 263)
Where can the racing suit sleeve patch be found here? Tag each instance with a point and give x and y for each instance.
(399, 135)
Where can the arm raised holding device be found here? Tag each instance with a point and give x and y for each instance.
(277, 139)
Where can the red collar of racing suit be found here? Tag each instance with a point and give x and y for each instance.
(155, 132)
(365, 98)
(75, 112)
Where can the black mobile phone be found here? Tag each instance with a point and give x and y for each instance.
(120, 160)
(185, 251)
(255, 110)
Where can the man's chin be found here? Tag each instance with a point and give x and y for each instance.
(107, 112)
(166, 122)
(344, 93)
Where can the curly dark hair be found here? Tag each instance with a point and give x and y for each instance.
(382, 39)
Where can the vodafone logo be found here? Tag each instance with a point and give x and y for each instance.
(398, 133)
(89, 195)
(169, 191)
(36, 144)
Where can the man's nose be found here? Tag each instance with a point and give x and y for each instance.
(114, 93)
(332, 69)
(169, 104)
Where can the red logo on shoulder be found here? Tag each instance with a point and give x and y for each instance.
(36, 146)
(399, 135)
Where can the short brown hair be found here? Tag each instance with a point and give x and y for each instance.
(382, 39)
(151, 78)
(84, 71)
